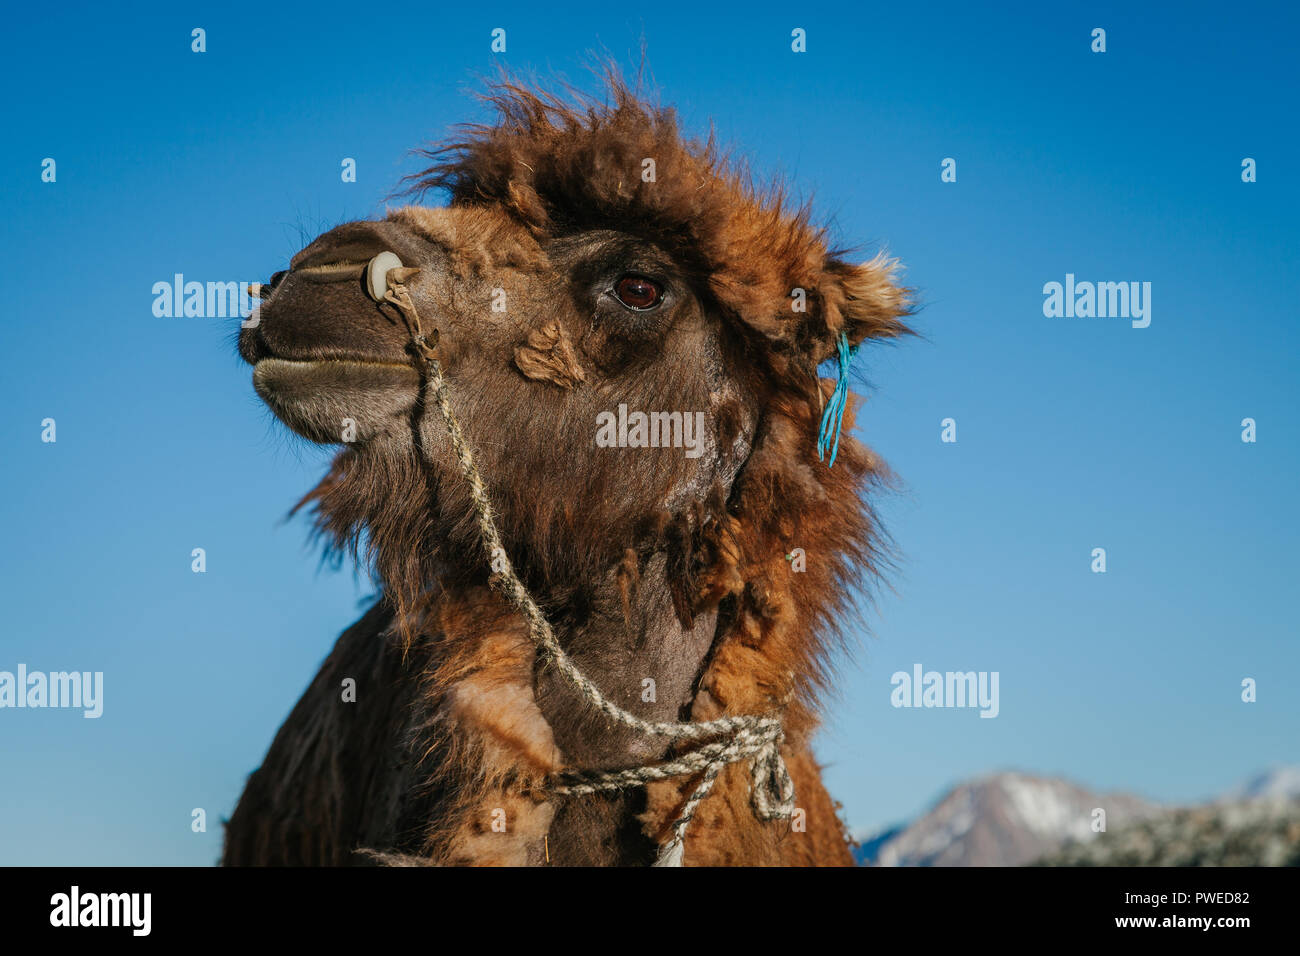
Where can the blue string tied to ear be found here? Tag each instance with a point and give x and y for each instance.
(835, 408)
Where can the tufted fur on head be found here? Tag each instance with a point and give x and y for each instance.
(561, 166)
(652, 566)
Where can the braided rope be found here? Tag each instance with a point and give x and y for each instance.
(752, 736)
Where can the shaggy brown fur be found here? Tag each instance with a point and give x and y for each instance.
(650, 564)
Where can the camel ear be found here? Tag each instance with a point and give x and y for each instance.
(864, 301)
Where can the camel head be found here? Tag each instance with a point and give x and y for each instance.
(618, 312)
(629, 333)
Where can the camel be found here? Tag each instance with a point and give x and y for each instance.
(548, 596)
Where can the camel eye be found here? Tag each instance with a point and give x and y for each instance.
(638, 292)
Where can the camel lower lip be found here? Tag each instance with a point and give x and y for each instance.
(337, 400)
(294, 381)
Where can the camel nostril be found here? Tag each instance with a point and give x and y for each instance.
(377, 274)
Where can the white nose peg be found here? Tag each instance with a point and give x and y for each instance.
(377, 274)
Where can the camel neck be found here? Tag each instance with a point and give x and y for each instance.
(649, 665)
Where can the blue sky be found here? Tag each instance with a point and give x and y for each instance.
(1072, 433)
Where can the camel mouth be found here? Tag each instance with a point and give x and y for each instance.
(277, 363)
(337, 400)
(314, 379)
(254, 349)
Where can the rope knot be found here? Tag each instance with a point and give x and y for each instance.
(421, 346)
(771, 789)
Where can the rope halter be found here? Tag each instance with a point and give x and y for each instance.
(726, 740)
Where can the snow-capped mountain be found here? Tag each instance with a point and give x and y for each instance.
(1279, 783)
(1005, 819)
(1010, 819)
